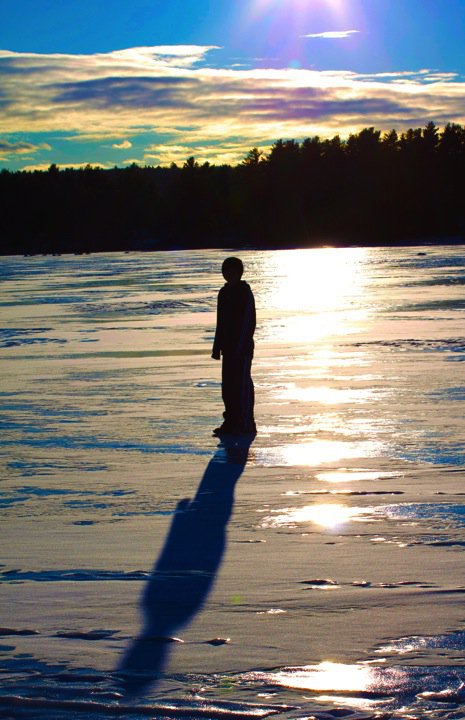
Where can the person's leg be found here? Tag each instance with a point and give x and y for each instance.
(247, 395)
(230, 391)
(238, 394)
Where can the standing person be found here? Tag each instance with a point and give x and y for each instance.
(235, 326)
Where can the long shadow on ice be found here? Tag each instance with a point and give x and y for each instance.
(186, 568)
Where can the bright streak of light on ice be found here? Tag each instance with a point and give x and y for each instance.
(329, 516)
(316, 452)
(317, 293)
(335, 677)
(343, 476)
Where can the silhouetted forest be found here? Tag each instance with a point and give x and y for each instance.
(371, 188)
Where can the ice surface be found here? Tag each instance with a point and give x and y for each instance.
(148, 570)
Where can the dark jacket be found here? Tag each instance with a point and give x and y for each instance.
(235, 320)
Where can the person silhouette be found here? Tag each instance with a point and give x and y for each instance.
(234, 343)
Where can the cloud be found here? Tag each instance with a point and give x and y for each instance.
(227, 153)
(21, 148)
(170, 94)
(11, 149)
(125, 145)
(114, 92)
(332, 34)
(66, 166)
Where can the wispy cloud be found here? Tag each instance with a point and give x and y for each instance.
(125, 145)
(12, 149)
(66, 166)
(332, 34)
(170, 95)
(225, 153)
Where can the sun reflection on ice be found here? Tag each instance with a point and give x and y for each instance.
(328, 676)
(335, 678)
(315, 293)
(319, 279)
(316, 452)
(343, 476)
(329, 516)
(327, 395)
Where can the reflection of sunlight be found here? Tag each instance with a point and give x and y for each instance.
(334, 676)
(309, 327)
(327, 676)
(316, 452)
(315, 280)
(408, 645)
(340, 476)
(359, 682)
(328, 516)
(326, 395)
(315, 293)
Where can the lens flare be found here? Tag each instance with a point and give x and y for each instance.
(283, 24)
(314, 12)
(336, 8)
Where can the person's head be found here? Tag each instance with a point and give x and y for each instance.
(232, 269)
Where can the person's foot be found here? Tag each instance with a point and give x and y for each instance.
(226, 429)
(252, 429)
(223, 429)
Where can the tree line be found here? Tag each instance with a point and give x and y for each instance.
(371, 188)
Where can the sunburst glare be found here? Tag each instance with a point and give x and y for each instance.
(337, 8)
(284, 27)
(261, 6)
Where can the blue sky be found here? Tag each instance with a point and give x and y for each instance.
(155, 81)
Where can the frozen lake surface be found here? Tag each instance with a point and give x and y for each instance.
(148, 571)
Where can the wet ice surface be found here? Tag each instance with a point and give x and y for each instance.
(148, 572)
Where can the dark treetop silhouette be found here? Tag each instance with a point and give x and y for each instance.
(186, 567)
(370, 188)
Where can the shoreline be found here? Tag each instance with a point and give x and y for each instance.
(452, 241)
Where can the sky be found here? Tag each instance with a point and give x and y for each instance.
(157, 81)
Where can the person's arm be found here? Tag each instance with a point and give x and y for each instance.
(248, 324)
(216, 350)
